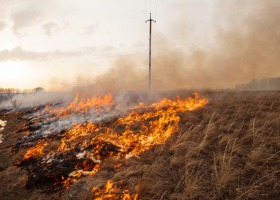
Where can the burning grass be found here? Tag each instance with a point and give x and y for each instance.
(178, 148)
(84, 147)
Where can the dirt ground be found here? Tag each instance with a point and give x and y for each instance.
(229, 149)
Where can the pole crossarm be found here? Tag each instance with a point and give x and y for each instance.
(150, 20)
(150, 51)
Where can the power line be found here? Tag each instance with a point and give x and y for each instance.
(145, 8)
(156, 9)
(146, 35)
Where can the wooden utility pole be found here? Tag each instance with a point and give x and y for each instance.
(150, 51)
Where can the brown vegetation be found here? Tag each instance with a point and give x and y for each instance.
(230, 149)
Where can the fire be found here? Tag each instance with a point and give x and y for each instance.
(73, 176)
(83, 104)
(75, 132)
(112, 191)
(83, 148)
(142, 130)
(36, 150)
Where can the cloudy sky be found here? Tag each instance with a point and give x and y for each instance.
(46, 42)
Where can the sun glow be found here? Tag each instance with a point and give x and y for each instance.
(14, 74)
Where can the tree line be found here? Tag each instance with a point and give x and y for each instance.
(20, 91)
(261, 84)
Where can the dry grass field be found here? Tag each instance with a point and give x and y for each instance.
(228, 149)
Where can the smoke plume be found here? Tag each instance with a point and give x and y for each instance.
(247, 42)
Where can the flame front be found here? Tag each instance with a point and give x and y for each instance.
(35, 151)
(83, 148)
(83, 104)
(142, 128)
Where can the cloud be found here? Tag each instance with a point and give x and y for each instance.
(19, 54)
(2, 25)
(104, 51)
(90, 29)
(89, 49)
(107, 49)
(24, 19)
(49, 28)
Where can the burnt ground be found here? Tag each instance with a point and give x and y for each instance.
(12, 178)
(230, 149)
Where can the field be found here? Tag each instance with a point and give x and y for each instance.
(228, 148)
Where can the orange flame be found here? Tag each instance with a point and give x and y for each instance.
(111, 191)
(143, 130)
(143, 127)
(75, 132)
(36, 150)
(82, 104)
(73, 176)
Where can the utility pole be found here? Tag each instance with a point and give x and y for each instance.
(150, 51)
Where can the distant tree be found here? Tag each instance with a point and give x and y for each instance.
(262, 84)
(38, 89)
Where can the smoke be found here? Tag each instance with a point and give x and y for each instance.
(242, 46)
(18, 102)
(247, 49)
(247, 42)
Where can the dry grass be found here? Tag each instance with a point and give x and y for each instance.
(230, 149)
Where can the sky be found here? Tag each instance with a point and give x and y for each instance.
(58, 44)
